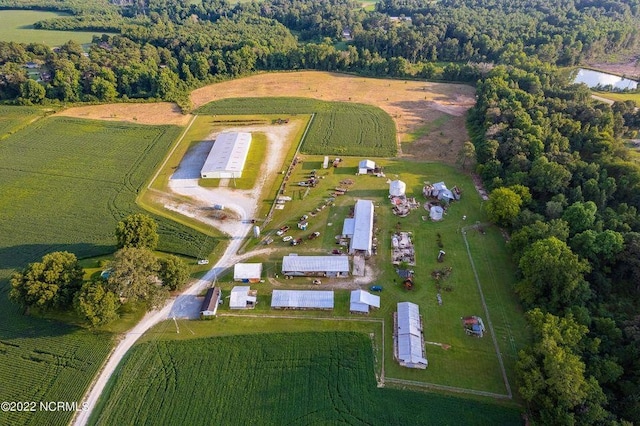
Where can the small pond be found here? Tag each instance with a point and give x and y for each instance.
(596, 78)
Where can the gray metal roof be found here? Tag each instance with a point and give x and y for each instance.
(243, 271)
(228, 154)
(293, 263)
(410, 347)
(363, 228)
(348, 227)
(239, 297)
(302, 299)
(367, 164)
(362, 300)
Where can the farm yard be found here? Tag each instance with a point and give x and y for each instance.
(281, 378)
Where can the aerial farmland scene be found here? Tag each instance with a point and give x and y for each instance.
(312, 212)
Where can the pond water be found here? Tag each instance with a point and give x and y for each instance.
(596, 78)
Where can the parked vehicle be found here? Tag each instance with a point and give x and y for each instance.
(287, 238)
(282, 230)
(375, 288)
(314, 235)
(304, 217)
(218, 207)
(317, 282)
(203, 261)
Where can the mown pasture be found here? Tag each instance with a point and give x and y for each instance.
(280, 378)
(17, 26)
(64, 184)
(338, 128)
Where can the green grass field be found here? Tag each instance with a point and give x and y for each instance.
(635, 97)
(304, 378)
(17, 25)
(337, 129)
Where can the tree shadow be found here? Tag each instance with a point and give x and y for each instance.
(19, 256)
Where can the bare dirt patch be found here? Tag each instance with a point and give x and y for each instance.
(143, 113)
(630, 67)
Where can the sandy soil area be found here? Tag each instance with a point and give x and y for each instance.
(143, 113)
(241, 202)
(629, 68)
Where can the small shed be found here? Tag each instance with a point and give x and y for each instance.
(397, 188)
(247, 272)
(242, 297)
(366, 166)
(210, 303)
(436, 212)
(362, 301)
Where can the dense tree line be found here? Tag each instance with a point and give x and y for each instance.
(562, 182)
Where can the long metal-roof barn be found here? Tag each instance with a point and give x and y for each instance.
(409, 341)
(302, 299)
(360, 228)
(330, 266)
(227, 156)
(362, 300)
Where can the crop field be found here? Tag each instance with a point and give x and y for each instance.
(66, 182)
(13, 118)
(337, 129)
(303, 378)
(17, 26)
(45, 361)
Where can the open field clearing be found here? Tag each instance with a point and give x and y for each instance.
(306, 378)
(620, 97)
(414, 106)
(338, 128)
(141, 113)
(17, 26)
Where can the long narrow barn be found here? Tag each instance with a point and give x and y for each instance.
(227, 156)
(408, 338)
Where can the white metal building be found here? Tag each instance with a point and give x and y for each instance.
(359, 229)
(366, 166)
(397, 188)
(227, 156)
(409, 341)
(242, 297)
(210, 303)
(247, 272)
(324, 266)
(301, 299)
(362, 300)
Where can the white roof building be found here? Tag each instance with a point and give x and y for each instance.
(247, 271)
(242, 298)
(301, 299)
(409, 344)
(209, 305)
(436, 212)
(361, 301)
(227, 156)
(331, 266)
(366, 166)
(397, 188)
(362, 226)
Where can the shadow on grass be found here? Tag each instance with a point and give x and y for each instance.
(19, 256)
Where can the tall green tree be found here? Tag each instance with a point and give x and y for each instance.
(138, 231)
(31, 92)
(51, 283)
(134, 276)
(503, 206)
(553, 276)
(97, 304)
(174, 272)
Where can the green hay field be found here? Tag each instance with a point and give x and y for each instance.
(17, 25)
(272, 379)
(14, 118)
(337, 129)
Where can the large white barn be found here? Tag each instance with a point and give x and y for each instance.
(409, 341)
(359, 229)
(227, 156)
(315, 266)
